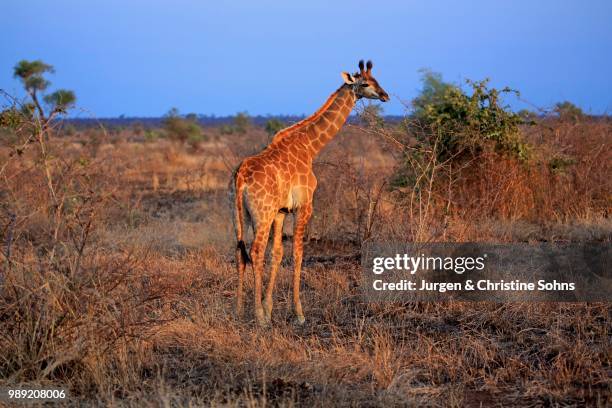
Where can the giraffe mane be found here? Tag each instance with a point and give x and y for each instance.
(307, 121)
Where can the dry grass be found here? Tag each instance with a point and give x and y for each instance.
(125, 295)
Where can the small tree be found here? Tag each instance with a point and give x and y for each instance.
(181, 129)
(31, 74)
(31, 124)
(242, 121)
(568, 111)
(433, 92)
(192, 117)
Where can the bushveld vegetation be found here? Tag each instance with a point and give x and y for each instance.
(182, 129)
(118, 276)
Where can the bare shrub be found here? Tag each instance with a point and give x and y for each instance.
(70, 311)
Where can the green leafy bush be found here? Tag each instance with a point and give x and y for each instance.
(11, 119)
(461, 125)
(15, 128)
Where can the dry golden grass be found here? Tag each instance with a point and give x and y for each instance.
(125, 295)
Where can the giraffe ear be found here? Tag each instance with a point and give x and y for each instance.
(348, 78)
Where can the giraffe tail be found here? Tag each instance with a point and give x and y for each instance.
(239, 218)
(243, 252)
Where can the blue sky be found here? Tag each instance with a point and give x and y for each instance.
(139, 58)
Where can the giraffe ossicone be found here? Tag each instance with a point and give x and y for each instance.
(279, 180)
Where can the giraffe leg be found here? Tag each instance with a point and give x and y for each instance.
(277, 256)
(258, 252)
(301, 219)
(241, 265)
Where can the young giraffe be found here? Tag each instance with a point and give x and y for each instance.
(280, 180)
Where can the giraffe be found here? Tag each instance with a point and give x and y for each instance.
(280, 180)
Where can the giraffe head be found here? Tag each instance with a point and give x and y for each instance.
(364, 84)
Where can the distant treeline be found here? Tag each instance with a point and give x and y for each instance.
(204, 120)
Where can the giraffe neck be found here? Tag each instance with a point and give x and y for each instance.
(328, 121)
(314, 132)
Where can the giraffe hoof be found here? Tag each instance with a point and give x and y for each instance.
(262, 321)
(267, 313)
(299, 320)
(263, 324)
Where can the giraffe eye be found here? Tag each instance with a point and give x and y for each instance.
(365, 85)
